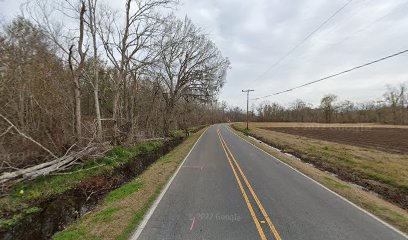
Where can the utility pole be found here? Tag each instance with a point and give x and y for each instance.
(247, 91)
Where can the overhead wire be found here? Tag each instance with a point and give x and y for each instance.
(303, 40)
(334, 75)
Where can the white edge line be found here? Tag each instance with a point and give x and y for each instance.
(142, 225)
(321, 185)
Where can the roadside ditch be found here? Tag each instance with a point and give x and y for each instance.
(57, 212)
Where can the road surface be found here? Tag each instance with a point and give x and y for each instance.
(228, 189)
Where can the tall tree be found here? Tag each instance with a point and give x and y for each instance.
(327, 106)
(70, 41)
(392, 97)
(127, 46)
(188, 65)
(92, 26)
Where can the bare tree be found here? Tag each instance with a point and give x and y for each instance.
(403, 102)
(92, 26)
(299, 109)
(70, 41)
(188, 65)
(327, 105)
(76, 71)
(392, 97)
(127, 45)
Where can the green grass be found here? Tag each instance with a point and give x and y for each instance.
(123, 209)
(242, 129)
(106, 215)
(80, 233)
(386, 168)
(5, 223)
(123, 191)
(139, 215)
(336, 184)
(24, 196)
(365, 163)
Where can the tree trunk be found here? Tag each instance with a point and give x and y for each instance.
(92, 24)
(77, 95)
(97, 110)
(115, 116)
(168, 114)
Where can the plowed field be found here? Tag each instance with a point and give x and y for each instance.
(393, 140)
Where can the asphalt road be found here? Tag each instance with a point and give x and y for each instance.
(228, 189)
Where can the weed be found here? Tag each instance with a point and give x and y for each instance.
(123, 191)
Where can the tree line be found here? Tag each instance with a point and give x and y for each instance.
(77, 71)
(392, 108)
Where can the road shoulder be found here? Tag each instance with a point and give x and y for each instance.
(387, 212)
(118, 219)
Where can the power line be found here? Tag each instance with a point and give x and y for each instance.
(336, 74)
(303, 41)
(369, 25)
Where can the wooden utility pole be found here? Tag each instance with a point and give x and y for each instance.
(247, 91)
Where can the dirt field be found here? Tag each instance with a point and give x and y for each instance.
(372, 156)
(323, 125)
(386, 139)
(380, 207)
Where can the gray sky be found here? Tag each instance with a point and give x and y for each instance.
(255, 34)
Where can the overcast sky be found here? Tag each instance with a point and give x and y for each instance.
(255, 34)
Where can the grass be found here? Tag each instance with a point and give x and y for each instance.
(79, 233)
(389, 169)
(23, 197)
(368, 162)
(106, 215)
(122, 210)
(123, 192)
(138, 216)
(5, 223)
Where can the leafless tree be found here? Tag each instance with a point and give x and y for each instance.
(188, 65)
(327, 106)
(127, 45)
(56, 84)
(70, 41)
(92, 24)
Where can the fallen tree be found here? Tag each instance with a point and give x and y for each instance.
(58, 164)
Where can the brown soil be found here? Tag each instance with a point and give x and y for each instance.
(394, 140)
(398, 196)
(375, 204)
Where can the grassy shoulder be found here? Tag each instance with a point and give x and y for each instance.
(382, 172)
(385, 210)
(24, 197)
(123, 208)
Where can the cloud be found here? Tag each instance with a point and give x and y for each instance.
(255, 34)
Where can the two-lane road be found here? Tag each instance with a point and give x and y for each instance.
(228, 189)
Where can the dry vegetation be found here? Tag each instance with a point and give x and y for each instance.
(358, 165)
(379, 171)
(324, 125)
(391, 140)
(122, 209)
(77, 71)
(391, 108)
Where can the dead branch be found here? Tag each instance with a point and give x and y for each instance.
(7, 130)
(81, 170)
(26, 136)
(58, 165)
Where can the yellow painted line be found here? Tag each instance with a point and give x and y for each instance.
(251, 210)
(268, 220)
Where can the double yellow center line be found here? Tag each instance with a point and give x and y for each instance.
(234, 165)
